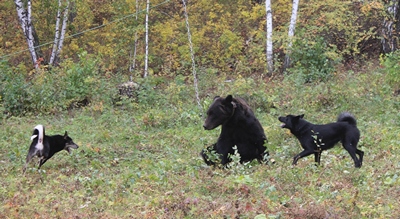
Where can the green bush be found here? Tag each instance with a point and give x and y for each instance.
(80, 81)
(14, 90)
(391, 63)
(311, 60)
(51, 90)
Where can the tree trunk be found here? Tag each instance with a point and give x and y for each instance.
(391, 27)
(56, 34)
(62, 36)
(269, 49)
(292, 26)
(59, 34)
(147, 40)
(133, 66)
(24, 17)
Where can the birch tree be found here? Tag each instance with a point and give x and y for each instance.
(391, 27)
(147, 40)
(292, 26)
(133, 66)
(270, 58)
(25, 20)
(59, 33)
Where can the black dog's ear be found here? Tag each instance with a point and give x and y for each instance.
(301, 116)
(65, 134)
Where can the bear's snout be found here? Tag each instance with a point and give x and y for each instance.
(205, 127)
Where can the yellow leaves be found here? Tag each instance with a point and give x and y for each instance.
(97, 107)
(257, 12)
(73, 46)
(232, 42)
(212, 15)
(374, 5)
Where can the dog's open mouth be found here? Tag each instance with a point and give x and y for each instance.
(283, 125)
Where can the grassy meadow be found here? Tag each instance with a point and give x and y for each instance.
(140, 159)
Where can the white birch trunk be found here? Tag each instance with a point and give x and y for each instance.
(292, 26)
(56, 34)
(269, 49)
(390, 28)
(133, 66)
(63, 29)
(59, 34)
(147, 40)
(24, 17)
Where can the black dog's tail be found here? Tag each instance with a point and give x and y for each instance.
(347, 117)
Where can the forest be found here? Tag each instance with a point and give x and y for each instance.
(131, 81)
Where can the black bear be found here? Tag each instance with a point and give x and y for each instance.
(240, 128)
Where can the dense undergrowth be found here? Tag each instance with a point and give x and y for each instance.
(140, 159)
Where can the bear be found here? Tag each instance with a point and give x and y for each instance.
(240, 128)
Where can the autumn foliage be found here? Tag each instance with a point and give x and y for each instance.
(228, 36)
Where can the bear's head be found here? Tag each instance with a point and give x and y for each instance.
(220, 111)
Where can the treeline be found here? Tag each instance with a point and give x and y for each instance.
(228, 36)
(104, 43)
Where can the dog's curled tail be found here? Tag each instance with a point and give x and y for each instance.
(38, 132)
(347, 117)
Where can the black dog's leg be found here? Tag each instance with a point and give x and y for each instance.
(361, 155)
(352, 151)
(28, 159)
(317, 157)
(304, 153)
(42, 161)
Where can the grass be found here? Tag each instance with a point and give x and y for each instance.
(142, 160)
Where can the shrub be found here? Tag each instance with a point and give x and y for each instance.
(311, 60)
(50, 90)
(14, 91)
(391, 63)
(80, 81)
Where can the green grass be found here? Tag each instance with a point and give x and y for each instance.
(142, 160)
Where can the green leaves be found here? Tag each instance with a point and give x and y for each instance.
(391, 64)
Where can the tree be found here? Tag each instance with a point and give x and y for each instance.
(25, 20)
(59, 33)
(270, 58)
(292, 26)
(147, 40)
(132, 67)
(391, 27)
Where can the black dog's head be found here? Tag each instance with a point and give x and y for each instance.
(69, 143)
(290, 121)
(219, 112)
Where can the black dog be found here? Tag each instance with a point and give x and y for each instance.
(316, 138)
(45, 146)
(240, 128)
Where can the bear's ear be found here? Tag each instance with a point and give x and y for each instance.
(228, 99)
(301, 116)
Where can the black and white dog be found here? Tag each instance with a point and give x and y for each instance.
(45, 146)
